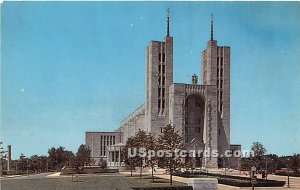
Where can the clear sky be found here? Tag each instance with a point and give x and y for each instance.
(71, 67)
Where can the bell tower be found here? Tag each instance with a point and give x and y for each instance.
(159, 76)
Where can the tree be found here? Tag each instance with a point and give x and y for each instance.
(258, 151)
(59, 157)
(130, 160)
(137, 142)
(84, 155)
(35, 164)
(170, 141)
(102, 163)
(23, 163)
(44, 163)
(141, 141)
(295, 162)
(151, 145)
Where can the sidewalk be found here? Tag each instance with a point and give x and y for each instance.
(10, 176)
(294, 182)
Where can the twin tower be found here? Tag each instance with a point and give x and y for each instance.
(200, 112)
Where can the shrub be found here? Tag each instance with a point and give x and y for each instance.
(164, 188)
(237, 181)
(291, 174)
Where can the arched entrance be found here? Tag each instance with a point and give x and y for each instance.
(194, 119)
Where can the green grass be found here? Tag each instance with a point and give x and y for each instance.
(85, 182)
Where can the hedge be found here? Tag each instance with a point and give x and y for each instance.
(237, 181)
(164, 188)
(291, 174)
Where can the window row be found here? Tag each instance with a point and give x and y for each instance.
(161, 82)
(220, 84)
(162, 69)
(162, 57)
(161, 92)
(161, 104)
(220, 73)
(220, 63)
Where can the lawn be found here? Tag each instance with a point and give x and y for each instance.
(85, 182)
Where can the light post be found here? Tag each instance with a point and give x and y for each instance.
(288, 170)
(253, 177)
(272, 162)
(266, 167)
(225, 165)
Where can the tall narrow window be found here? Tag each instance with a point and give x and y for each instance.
(221, 72)
(221, 61)
(159, 57)
(163, 92)
(164, 57)
(163, 69)
(163, 80)
(163, 104)
(158, 104)
(159, 69)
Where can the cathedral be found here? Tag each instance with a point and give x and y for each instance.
(199, 111)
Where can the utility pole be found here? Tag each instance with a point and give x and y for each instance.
(288, 170)
(266, 167)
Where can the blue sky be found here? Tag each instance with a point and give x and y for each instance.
(71, 67)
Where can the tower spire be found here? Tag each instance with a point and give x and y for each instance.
(168, 22)
(212, 27)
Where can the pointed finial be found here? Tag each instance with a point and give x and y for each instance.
(168, 22)
(212, 27)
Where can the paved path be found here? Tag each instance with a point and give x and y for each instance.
(294, 181)
(33, 176)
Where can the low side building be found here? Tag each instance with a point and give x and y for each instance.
(99, 143)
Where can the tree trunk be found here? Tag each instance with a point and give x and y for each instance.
(171, 176)
(171, 173)
(152, 166)
(131, 170)
(141, 170)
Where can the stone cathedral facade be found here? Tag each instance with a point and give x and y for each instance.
(200, 112)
